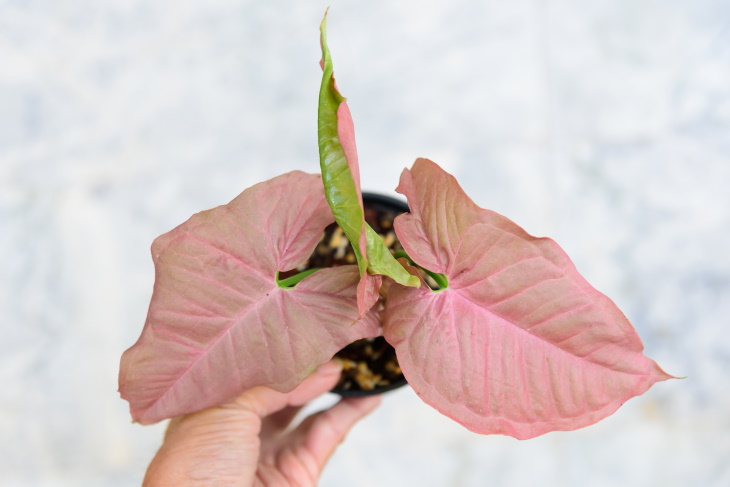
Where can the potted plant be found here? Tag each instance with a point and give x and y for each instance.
(493, 327)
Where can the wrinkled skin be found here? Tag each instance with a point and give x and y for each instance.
(248, 442)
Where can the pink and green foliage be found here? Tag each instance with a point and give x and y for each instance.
(513, 342)
(341, 176)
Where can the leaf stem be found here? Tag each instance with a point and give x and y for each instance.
(292, 281)
(441, 280)
(399, 254)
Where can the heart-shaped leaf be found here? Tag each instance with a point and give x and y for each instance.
(519, 344)
(219, 322)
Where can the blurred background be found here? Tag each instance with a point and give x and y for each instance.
(605, 125)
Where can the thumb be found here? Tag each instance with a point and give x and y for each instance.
(263, 401)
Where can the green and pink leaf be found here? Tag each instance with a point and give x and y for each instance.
(341, 176)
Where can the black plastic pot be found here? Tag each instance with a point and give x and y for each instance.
(374, 204)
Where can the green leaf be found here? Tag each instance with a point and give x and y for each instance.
(381, 261)
(341, 176)
(338, 157)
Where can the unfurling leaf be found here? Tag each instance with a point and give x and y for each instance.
(341, 176)
(519, 344)
(220, 323)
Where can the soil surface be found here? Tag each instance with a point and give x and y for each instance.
(368, 365)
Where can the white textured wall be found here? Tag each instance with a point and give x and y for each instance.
(604, 124)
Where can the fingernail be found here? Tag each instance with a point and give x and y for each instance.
(330, 368)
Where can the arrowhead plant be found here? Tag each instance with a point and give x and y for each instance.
(493, 327)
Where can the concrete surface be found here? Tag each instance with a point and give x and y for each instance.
(605, 125)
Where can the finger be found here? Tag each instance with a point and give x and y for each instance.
(320, 434)
(264, 401)
(277, 422)
(321, 381)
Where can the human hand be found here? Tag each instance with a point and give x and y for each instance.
(246, 442)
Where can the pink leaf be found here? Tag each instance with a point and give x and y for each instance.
(519, 343)
(346, 136)
(368, 292)
(219, 323)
